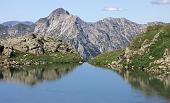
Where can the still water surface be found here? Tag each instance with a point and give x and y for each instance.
(80, 84)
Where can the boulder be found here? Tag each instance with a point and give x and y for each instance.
(9, 52)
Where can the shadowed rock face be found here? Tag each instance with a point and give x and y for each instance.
(89, 39)
(1, 49)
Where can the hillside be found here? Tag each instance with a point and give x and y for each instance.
(148, 52)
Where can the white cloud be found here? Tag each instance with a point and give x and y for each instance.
(112, 9)
(161, 2)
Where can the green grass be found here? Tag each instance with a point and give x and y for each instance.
(54, 58)
(47, 66)
(106, 58)
(163, 42)
(140, 61)
(149, 35)
(156, 50)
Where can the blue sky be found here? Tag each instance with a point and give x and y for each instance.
(140, 11)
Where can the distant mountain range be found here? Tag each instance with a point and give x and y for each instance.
(88, 39)
(16, 28)
(13, 23)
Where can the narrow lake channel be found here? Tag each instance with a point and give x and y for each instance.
(80, 84)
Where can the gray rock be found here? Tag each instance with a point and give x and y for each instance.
(34, 43)
(8, 52)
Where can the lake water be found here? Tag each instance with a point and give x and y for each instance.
(80, 84)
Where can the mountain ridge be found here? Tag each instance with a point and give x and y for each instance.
(13, 23)
(88, 38)
(16, 28)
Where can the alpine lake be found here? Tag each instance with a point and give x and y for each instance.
(80, 84)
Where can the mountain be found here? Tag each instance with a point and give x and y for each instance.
(15, 28)
(3, 31)
(20, 29)
(13, 23)
(89, 39)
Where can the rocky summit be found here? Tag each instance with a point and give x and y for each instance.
(89, 39)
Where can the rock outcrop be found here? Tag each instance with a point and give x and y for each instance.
(35, 44)
(33, 50)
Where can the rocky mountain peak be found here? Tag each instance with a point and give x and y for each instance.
(59, 11)
(89, 39)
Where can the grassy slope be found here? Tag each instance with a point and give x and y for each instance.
(106, 58)
(156, 50)
(22, 57)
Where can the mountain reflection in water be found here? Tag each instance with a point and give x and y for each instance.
(147, 84)
(33, 75)
(84, 84)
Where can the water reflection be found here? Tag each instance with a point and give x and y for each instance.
(148, 84)
(33, 75)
